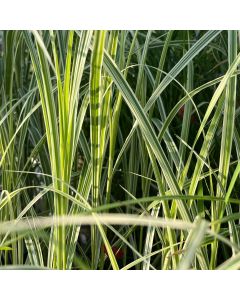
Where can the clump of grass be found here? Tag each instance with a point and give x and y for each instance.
(119, 150)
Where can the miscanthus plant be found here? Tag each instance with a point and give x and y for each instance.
(119, 150)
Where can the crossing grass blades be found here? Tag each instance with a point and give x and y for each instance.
(119, 150)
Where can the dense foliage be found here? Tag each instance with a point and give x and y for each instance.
(119, 149)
